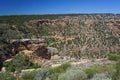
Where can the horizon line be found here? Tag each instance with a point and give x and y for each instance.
(56, 14)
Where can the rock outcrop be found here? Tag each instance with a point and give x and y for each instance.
(35, 49)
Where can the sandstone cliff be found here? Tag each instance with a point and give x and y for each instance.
(35, 49)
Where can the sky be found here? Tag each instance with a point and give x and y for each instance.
(28, 7)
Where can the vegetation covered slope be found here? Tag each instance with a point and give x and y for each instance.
(88, 35)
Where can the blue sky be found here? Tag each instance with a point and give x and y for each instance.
(19, 7)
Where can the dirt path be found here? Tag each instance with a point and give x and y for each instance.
(85, 63)
(89, 63)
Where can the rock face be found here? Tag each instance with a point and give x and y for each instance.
(36, 50)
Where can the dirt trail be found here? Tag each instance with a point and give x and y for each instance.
(84, 63)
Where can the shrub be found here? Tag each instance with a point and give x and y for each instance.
(41, 74)
(73, 74)
(109, 68)
(116, 75)
(28, 75)
(114, 57)
(100, 77)
(91, 72)
(54, 72)
(19, 62)
(6, 76)
(54, 76)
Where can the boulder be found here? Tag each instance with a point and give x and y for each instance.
(52, 51)
(55, 57)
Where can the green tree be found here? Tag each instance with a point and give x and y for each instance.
(19, 62)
